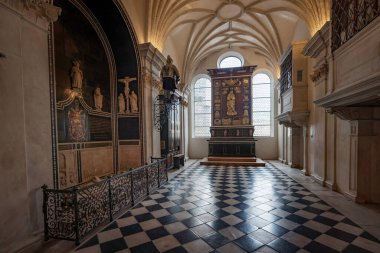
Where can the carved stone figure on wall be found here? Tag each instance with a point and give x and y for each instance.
(76, 75)
(169, 76)
(121, 103)
(133, 101)
(98, 99)
(127, 80)
(77, 123)
(231, 111)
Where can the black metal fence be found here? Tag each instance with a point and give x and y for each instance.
(73, 213)
(349, 17)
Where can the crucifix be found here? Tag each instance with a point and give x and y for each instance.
(126, 80)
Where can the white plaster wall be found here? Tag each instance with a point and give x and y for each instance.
(25, 132)
(266, 147)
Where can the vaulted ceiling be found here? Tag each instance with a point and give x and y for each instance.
(192, 30)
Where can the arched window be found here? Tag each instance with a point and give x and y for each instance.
(230, 59)
(262, 104)
(202, 107)
(230, 62)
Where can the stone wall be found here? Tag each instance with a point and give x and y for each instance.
(25, 132)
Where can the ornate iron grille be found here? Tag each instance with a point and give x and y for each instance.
(349, 17)
(93, 207)
(60, 214)
(153, 176)
(73, 213)
(121, 196)
(163, 171)
(140, 184)
(286, 73)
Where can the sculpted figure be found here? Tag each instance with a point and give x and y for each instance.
(121, 103)
(133, 101)
(231, 104)
(169, 76)
(76, 75)
(98, 99)
(126, 80)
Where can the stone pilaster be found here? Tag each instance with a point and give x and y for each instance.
(152, 61)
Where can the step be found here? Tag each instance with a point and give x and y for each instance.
(232, 159)
(257, 163)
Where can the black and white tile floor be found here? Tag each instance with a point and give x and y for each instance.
(232, 210)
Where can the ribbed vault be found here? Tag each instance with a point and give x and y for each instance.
(192, 30)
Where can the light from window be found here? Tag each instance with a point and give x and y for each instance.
(261, 105)
(230, 62)
(202, 107)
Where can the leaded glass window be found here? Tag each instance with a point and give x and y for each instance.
(202, 107)
(262, 105)
(230, 62)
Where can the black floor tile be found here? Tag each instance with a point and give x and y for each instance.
(132, 229)
(296, 218)
(249, 244)
(185, 236)
(146, 247)
(220, 213)
(144, 217)
(354, 249)
(167, 219)
(369, 237)
(175, 209)
(179, 249)
(308, 232)
(192, 222)
(342, 235)
(218, 224)
(325, 221)
(246, 227)
(154, 207)
(113, 246)
(157, 233)
(243, 215)
(283, 246)
(216, 240)
(315, 247)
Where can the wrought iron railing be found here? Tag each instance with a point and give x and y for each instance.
(73, 213)
(349, 17)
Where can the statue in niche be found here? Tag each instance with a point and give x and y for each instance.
(76, 75)
(98, 99)
(77, 123)
(169, 76)
(231, 104)
(126, 80)
(133, 101)
(121, 103)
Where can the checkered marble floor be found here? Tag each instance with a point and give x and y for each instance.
(232, 210)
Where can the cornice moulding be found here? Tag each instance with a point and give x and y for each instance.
(359, 92)
(355, 113)
(293, 119)
(317, 43)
